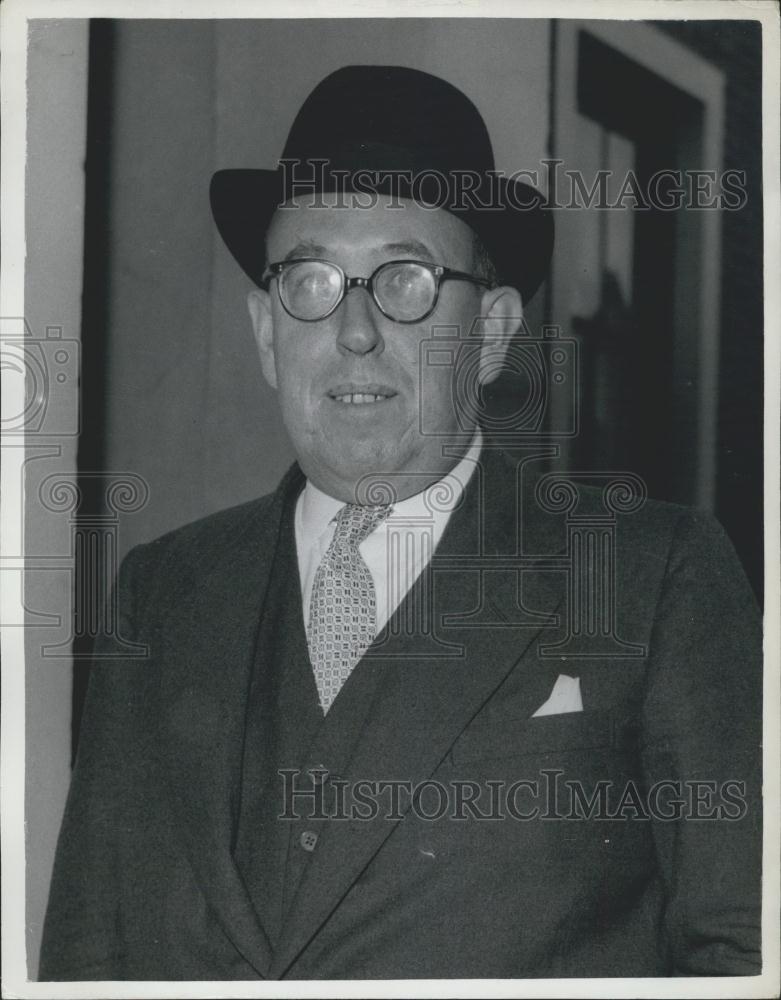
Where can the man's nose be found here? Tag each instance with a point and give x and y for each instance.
(358, 320)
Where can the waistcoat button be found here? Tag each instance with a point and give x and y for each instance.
(308, 840)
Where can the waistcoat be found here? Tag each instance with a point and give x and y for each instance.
(286, 731)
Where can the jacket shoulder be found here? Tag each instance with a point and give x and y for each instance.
(214, 527)
(179, 559)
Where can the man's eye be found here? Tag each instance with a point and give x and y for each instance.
(312, 282)
(315, 283)
(402, 280)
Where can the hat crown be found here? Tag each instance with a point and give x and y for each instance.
(390, 118)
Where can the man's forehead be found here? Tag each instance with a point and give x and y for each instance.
(406, 230)
(307, 247)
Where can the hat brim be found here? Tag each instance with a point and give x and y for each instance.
(517, 230)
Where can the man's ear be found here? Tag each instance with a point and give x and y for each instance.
(502, 312)
(259, 303)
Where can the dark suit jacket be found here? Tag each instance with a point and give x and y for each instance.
(145, 885)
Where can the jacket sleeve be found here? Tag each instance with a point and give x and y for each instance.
(701, 742)
(82, 935)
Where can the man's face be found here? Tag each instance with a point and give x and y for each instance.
(327, 373)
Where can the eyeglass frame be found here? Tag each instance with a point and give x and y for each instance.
(439, 272)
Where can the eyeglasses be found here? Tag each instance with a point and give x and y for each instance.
(406, 291)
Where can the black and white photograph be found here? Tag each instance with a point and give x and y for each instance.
(390, 499)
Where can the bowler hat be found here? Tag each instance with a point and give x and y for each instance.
(389, 131)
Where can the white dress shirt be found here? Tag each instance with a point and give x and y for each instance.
(396, 552)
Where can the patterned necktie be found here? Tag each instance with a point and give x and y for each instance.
(342, 610)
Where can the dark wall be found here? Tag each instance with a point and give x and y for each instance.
(736, 48)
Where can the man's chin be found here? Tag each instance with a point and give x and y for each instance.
(361, 470)
(369, 462)
(376, 474)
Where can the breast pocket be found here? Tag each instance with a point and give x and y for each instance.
(570, 731)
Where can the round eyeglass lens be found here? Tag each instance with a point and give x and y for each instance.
(310, 289)
(406, 291)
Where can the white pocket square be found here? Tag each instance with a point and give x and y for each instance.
(565, 697)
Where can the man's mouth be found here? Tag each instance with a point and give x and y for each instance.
(361, 395)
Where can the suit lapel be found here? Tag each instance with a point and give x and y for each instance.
(420, 703)
(208, 647)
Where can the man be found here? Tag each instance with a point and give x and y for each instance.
(403, 717)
